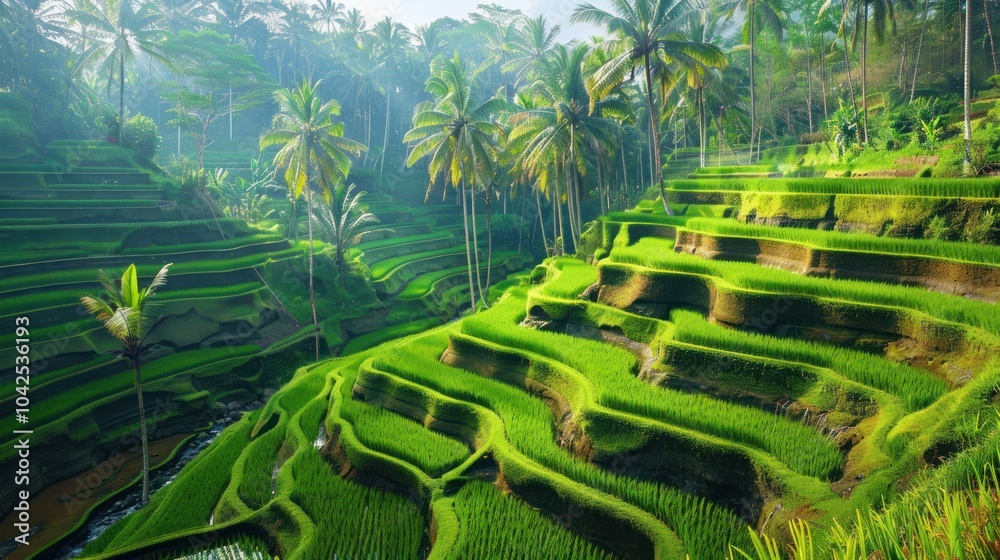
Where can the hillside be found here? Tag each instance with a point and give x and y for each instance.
(705, 375)
(233, 317)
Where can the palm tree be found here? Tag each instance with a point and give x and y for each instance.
(392, 41)
(342, 219)
(326, 13)
(760, 14)
(967, 128)
(429, 42)
(125, 311)
(879, 13)
(566, 130)
(648, 31)
(294, 28)
(121, 31)
(359, 81)
(312, 149)
(236, 18)
(458, 132)
(352, 22)
(529, 47)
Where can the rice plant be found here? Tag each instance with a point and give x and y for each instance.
(393, 434)
(649, 253)
(613, 371)
(908, 186)
(960, 251)
(353, 521)
(701, 525)
(917, 388)
(496, 525)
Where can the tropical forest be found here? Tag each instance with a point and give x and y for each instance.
(532, 279)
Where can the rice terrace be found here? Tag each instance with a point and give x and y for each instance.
(587, 280)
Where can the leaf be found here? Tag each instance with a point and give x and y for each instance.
(130, 287)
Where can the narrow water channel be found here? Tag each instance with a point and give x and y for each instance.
(62, 504)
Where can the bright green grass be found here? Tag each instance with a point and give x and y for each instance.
(194, 494)
(374, 338)
(259, 463)
(386, 267)
(911, 186)
(51, 299)
(613, 371)
(496, 525)
(731, 169)
(396, 240)
(146, 270)
(352, 520)
(88, 392)
(701, 525)
(390, 433)
(916, 387)
(969, 252)
(83, 203)
(649, 252)
(424, 284)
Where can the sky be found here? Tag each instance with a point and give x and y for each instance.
(414, 12)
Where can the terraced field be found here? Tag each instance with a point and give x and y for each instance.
(77, 207)
(699, 378)
(416, 254)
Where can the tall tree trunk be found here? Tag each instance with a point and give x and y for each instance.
(621, 146)
(753, 106)
(121, 96)
(920, 44)
(701, 126)
(989, 33)
(850, 80)
(489, 235)
(567, 171)
(864, 73)
(541, 222)
(809, 82)
(142, 430)
(468, 253)
(385, 136)
(475, 237)
(312, 291)
(967, 164)
(822, 74)
(554, 202)
(655, 128)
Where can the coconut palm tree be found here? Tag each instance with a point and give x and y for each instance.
(342, 219)
(648, 30)
(359, 81)
(125, 310)
(392, 42)
(760, 15)
(312, 150)
(881, 15)
(566, 130)
(967, 124)
(530, 45)
(457, 131)
(326, 14)
(120, 31)
(236, 18)
(352, 22)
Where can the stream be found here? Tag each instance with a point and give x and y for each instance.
(118, 507)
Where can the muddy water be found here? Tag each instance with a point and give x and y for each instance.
(61, 505)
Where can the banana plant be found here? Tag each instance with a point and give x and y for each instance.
(125, 311)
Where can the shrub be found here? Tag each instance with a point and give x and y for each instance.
(937, 228)
(140, 134)
(508, 229)
(987, 230)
